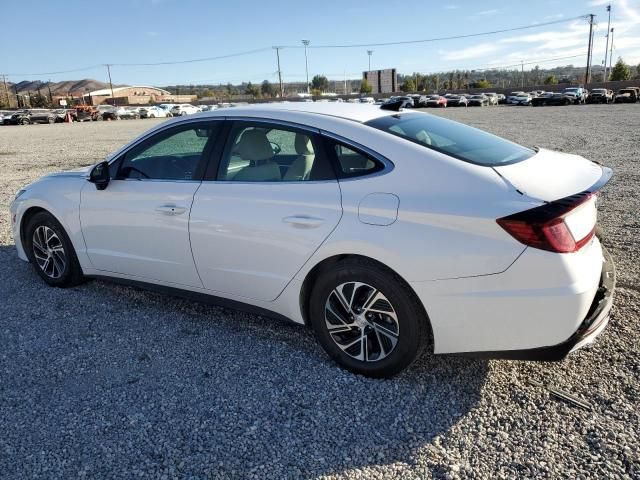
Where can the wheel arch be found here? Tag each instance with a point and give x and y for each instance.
(314, 273)
(29, 214)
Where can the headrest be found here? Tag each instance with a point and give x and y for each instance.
(303, 145)
(254, 146)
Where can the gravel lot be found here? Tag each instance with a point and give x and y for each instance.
(103, 381)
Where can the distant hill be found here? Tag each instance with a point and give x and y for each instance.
(75, 87)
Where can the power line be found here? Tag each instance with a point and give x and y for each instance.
(328, 46)
(438, 39)
(195, 60)
(53, 73)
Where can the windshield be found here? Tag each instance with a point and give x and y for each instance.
(452, 138)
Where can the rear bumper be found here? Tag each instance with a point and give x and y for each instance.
(593, 324)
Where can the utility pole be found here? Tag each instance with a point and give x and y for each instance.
(277, 49)
(113, 98)
(306, 63)
(15, 89)
(587, 76)
(369, 52)
(606, 48)
(611, 53)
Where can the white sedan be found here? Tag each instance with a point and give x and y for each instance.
(390, 233)
(184, 109)
(153, 112)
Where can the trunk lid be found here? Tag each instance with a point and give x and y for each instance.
(549, 175)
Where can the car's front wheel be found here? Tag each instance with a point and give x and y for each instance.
(366, 319)
(50, 251)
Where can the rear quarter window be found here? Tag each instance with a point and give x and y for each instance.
(452, 138)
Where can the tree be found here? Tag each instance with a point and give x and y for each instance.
(482, 83)
(409, 85)
(320, 82)
(316, 92)
(365, 86)
(267, 89)
(551, 80)
(252, 90)
(205, 93)
(620, 71)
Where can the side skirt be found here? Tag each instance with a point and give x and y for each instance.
(196, 297)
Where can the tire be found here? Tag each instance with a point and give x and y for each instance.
(406, 325)
(51, 120)
(25, 121)
(183, 114)
(152, 116)
(54, 260)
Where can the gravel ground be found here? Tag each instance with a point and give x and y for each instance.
(103, 381)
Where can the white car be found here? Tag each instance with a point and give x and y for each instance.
(152, 112)
(390, 233)
(184, 109)
(519, 98)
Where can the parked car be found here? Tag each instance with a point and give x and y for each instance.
(501, 98)
(184, 109)
(7, 115)
(436, 101)
(478, 101)
(579, 92)
(493, 98)
(208, 108)
(600, 95)
(120, 113)
(520, 98)
(31, 115)
(626, 95)
(167, 108)
(551, 98)
(457, 101)
(368, 239)
(152, 112)
(61, 114)
(370, 100)
(409, 103)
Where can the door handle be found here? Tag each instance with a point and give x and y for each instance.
(303, 221)
(170, 209)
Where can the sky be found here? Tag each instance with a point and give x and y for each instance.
(75, 34)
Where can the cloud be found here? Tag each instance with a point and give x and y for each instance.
(469, 52)
(493, 11)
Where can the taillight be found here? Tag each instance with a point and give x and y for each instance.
(564, 226)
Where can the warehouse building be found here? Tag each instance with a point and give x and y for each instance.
(134, 95)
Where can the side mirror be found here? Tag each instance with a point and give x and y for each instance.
(100, 175)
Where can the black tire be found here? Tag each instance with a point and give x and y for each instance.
(51, 120)
(412, 325)
(71, 273)
(25, 121)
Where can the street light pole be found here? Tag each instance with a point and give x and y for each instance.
(369, 52)
(611, 53)
(306, 62)
(606, 48)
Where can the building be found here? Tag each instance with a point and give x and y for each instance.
(134, 95)
(382, 81)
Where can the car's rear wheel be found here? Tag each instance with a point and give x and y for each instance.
(366, 319)
(25, 121)
(51, 120)
(50, 251)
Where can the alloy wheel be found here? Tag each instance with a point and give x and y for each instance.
(49, 252)
(361, 321)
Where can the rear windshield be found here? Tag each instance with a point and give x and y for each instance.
(452, 138)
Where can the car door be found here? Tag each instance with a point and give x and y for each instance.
(264, 208)
(139, 225)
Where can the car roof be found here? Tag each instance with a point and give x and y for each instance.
(359, 112)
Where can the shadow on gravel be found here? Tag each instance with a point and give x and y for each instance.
(108, 381)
